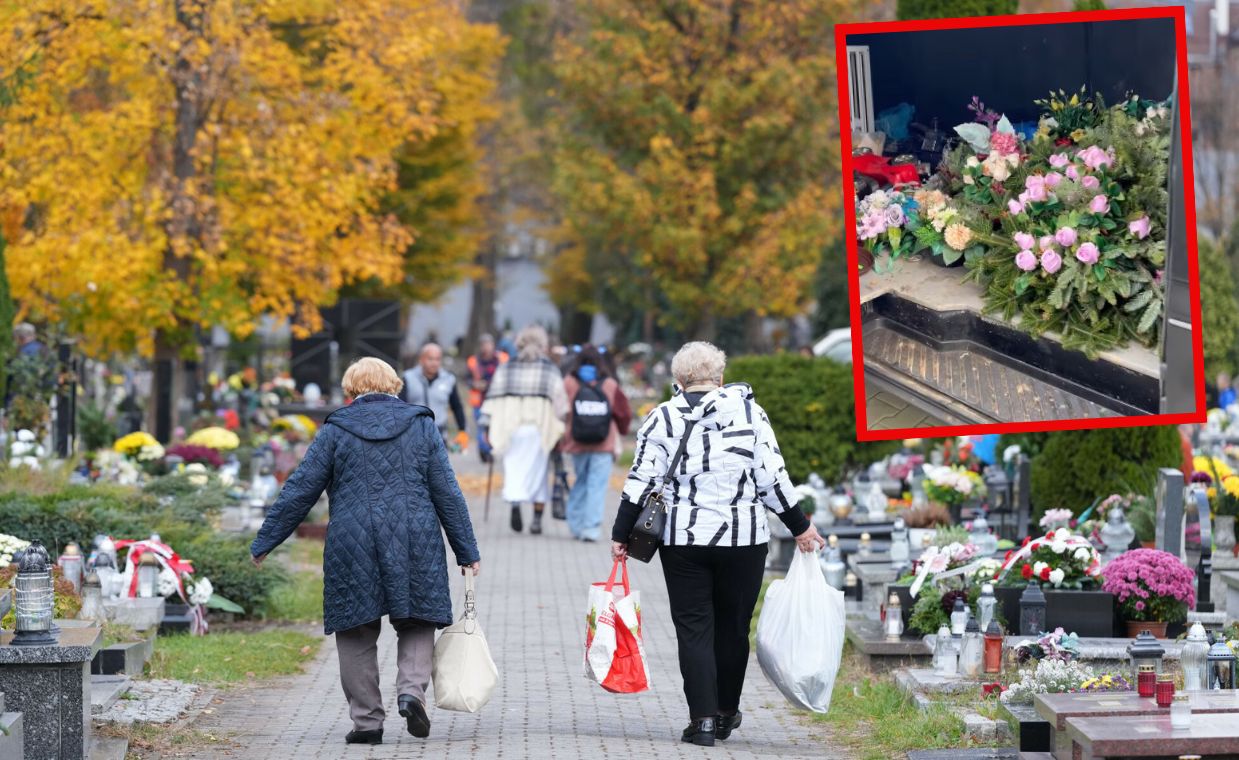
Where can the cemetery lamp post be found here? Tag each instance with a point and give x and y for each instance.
(36, 599)
(1032, 610)
(1221, 666)
(1145, 653)
(71, 565)
(148, 576)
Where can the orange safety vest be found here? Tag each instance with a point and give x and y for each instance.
(476, 395)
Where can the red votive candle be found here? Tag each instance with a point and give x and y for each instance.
(1146, 681)
(1165, 690)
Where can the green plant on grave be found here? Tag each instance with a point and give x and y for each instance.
(811, 406)
(1077, 466)
(927, 613)
(1143, 519)
(94, 427)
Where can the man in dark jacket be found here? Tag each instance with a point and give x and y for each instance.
(393, 495)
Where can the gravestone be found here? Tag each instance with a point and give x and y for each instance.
(140, 614)
(50, 686)
(1169, 531)
(1057, 709)
(1200, 546)
(1211, 735)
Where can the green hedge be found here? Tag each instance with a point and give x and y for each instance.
(1219, 310)
(1075, 467)
(913, 9)
(79, 513)
(812, 408)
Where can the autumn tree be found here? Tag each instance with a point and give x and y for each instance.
(695, 144)
(206, 162)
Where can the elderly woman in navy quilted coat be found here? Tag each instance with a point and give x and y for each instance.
(392, 495)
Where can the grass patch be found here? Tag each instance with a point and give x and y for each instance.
(874, 717)
(231, 657)
(119, 634)
(157, 740)
(299, 599)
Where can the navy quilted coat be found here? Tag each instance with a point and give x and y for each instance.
(390, 488)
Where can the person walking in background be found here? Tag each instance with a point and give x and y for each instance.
(1225, 392)
(384, 553)
(598, 414)
(27, 339)
(433, 387)
(522, 419)
(482, 367)
(714, 548)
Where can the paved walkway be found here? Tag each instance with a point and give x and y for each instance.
(531, 603)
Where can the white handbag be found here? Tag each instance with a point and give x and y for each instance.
(464, 674)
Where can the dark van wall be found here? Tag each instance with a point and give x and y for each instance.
(1009, 67)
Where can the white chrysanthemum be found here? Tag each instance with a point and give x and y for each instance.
(167, 582)
(1056, 576)
(25, 436)
(201, 592)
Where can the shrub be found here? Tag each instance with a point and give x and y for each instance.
(1078, 466)
(96, 430)
(1030, 443)
(1219, 309)
(226, 561)
(913, 9)
(812, 409)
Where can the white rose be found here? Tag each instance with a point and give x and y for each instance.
(1083, 555)
(1058, 546)
(25, 436)
(1056, 576)
(1038, 567)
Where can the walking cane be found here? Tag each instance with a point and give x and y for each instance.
(490, 478)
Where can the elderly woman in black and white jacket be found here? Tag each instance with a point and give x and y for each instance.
(714, 549)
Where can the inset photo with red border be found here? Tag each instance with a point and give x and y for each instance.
(1020, 221)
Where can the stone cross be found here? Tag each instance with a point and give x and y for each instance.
(1169, 533)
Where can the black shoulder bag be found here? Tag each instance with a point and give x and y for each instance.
(647, 534)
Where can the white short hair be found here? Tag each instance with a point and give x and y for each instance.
(532, 343)
(698, 362)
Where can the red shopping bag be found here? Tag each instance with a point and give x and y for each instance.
(614, 655)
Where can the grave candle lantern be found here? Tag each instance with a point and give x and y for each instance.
(1194, 659)
(993, 648)
(946, 661)
(972, 650)
(71, 565)
(1165, 690)
(986, 604)
(92, 598)
(1221, 666)
(980, 535)
(832, 564)
(148, 576)
(865, 546)
(959, 617)
(894, 618)
(35, 600)
(1145, 650)
(1180, 712)
(900, 551)
(1146, 681)
(1032, 610)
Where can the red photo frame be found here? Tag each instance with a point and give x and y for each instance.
(842, 31)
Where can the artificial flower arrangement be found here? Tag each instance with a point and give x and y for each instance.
(880, 220)
(25, 451)
(295, 427)
(1053, 519)
(1048, 676)
(1060, 558)
(9, 546)
(1083, 222)
(960, 451)
(1223, 500)
(217, 438)
(1058, 645)
(952, 484)
(1151, 585)
(942, 574)
(177, 580)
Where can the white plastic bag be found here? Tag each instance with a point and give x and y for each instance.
(464, 674)
(800, 634)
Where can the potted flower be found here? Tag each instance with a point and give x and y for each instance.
(1153, 588)
(953, 485)
(1223, 492)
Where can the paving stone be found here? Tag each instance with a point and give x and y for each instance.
(156, 701)
(531, 599)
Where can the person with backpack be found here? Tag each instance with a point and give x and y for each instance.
(598, 414)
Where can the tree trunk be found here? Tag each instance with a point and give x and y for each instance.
(482, 310)
(706, 328)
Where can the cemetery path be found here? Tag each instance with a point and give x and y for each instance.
(531, 603)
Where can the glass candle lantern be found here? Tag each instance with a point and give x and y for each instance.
(1146, 681)
(993, 648)
(986, 604)
(972, 650)
(1145, 650)
(894, 618)
(92, 598)
(980, 535)
(865, 547)
(1164, 690)
(35, 599)
(959, 617)
(1032, 610)
(900, 551)
(1221, 666)
(946, 659)
(71, 563)
(1181, 712)
(832, 564)
(1194, 659)
(148, 576)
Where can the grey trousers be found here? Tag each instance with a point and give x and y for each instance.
(359, 667)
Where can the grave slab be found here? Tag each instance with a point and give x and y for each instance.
(50, 686)
(964, 754)
(869, 639)
(925, 681)
(1210, 735)
(105, 690)
(1057, 709)
(1222, 563)
(1229, 581)
(139, 614)
(1033, 731)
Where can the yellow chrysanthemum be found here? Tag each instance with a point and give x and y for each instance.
(131, 444)
(216, 438)
(1213, 466)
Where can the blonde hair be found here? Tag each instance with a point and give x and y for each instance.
(371, 375)
(532, 343)
(697, 363)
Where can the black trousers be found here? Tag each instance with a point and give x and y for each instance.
(713, 590)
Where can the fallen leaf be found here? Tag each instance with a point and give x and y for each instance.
(249, 674)
(305, 650)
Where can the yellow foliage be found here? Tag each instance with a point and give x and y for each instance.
(303, 106)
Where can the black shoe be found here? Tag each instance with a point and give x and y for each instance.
(364, 737)
(516, 518)
(700, 732)
(414, 712)
(727, 724)
(535, 527)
